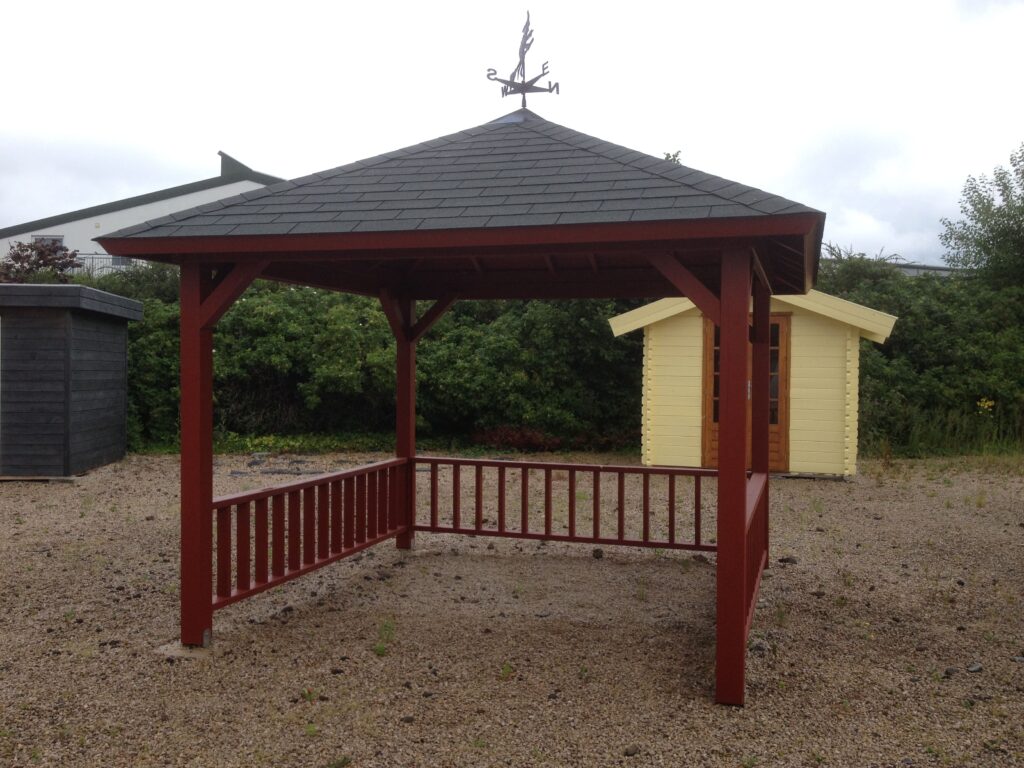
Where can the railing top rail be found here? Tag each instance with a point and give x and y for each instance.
(301, 485)
(634, 469)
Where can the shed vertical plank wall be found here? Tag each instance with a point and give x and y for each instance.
(673, 369)
(818, 414)
(98, 396)
(32, 385)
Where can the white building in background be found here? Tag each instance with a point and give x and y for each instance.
(76, 229)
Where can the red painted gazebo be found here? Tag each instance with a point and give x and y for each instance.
(516, 208)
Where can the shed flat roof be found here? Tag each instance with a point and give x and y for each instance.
(77, 297)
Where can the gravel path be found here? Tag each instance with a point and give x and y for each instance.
(467, 652)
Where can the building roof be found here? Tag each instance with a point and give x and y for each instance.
(871, 323)
(519, 170)
(79, 297)
(516, 208)
(231, 171)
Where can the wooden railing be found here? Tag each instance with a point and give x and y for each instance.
(267, 537)
(756, 535)
(562, 502)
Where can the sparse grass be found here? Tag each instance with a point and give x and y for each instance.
(341, 762)
(312, 730)
(506, 671)
(385, 636)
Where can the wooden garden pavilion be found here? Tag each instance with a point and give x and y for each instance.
(515, 208)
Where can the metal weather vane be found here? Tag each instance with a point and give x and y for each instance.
(517, 82)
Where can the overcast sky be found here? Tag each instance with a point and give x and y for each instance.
(874, 111)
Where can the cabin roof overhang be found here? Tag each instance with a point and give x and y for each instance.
(870, 323)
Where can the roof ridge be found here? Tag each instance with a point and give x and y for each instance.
(666, 169)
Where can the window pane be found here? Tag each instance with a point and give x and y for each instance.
(774, 357)
(717, 368)
(773, 386)
(715, 386)
(775, 335)
(718, 336)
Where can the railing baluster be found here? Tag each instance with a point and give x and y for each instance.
(622, 506)
(382, 501)
(371, 506)
(572, 502)
(223, 551)
(336, 517)
(323, 519)
(277, 542)
(242, 579)
(308, 525)
(647, 508)
(524, 509)
(456, 497)
(479, 524)
(394, 513)
(501, 499)
(597, 504)
(360, 509)
(547, 502)
(293, 530)
(350, 512)
(433, 496)
(696, 510)
(261, 540)
(671, 509)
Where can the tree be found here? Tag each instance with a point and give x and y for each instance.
(41, 261)
(989, 239)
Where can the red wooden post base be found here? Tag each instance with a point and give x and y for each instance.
(731, 650)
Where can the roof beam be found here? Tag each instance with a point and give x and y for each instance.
(431, 316)
(688, 285)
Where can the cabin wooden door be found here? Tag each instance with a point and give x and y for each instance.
(778, 414)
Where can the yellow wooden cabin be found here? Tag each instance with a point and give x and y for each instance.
(815, 359)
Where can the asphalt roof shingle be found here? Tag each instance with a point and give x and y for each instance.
(517, 171)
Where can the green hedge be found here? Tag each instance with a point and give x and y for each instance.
(294, 361)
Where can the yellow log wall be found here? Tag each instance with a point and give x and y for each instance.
(673, 363)
(819, 412)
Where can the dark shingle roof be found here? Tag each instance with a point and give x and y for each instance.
(517, 171)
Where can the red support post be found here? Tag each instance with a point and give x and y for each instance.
(405, 420)
(196, 460)
(732, 479)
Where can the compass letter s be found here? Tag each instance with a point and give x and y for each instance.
(492, 74)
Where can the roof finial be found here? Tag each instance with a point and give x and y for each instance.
(517, 82)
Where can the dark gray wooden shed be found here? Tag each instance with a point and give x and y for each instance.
(63, 378)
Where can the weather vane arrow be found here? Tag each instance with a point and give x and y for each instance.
(517, 82)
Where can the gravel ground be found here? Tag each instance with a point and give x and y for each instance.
(458, 653)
